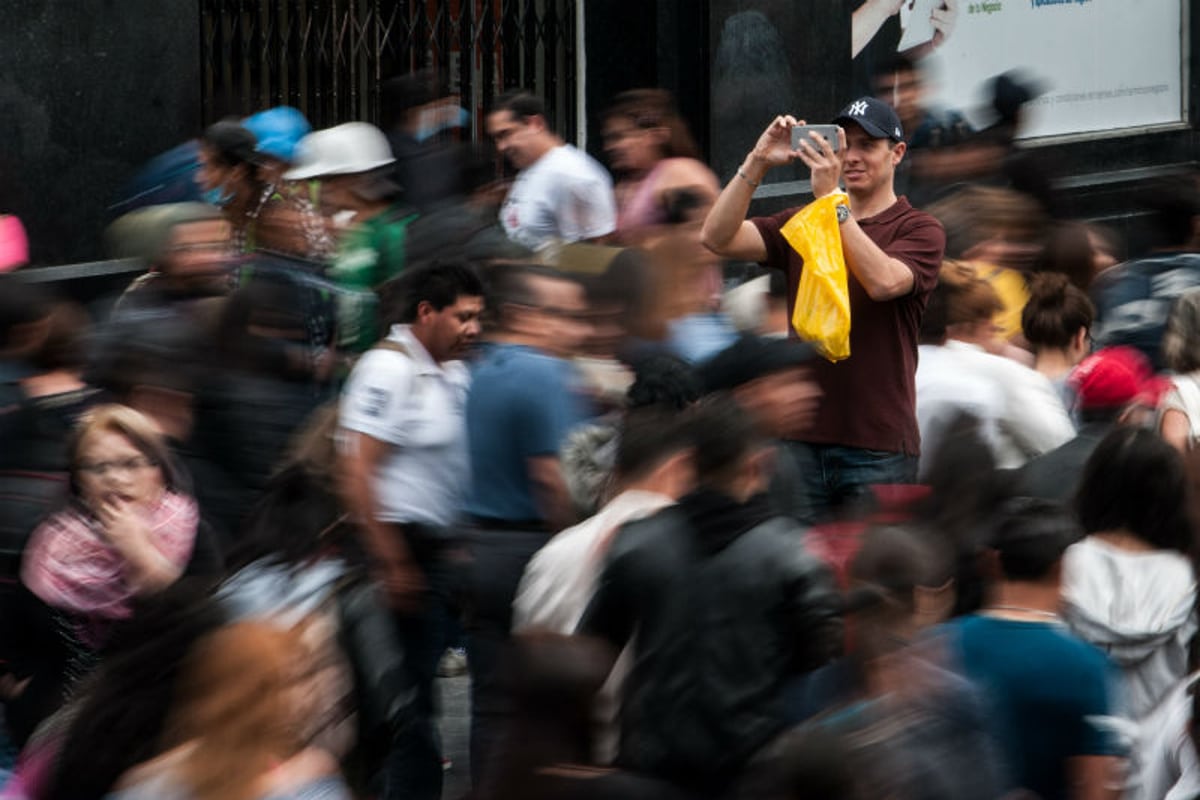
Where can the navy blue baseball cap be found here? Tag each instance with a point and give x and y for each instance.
(875, 117)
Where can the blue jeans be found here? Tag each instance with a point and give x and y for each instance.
(840, 478)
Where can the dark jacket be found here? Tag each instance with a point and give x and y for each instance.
(727, 607)
(1055, 475)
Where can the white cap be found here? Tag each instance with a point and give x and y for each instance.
(342, 150)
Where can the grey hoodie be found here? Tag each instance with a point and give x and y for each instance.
(1139, 608)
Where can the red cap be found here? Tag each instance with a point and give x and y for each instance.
(1110, 378)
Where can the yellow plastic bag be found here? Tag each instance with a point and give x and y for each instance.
(821, 314)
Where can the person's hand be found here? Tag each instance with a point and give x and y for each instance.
(824, 161)
(943, 20)
(403, 584)
(774, 147)
(123, 523)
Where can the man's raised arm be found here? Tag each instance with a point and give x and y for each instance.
(726, 230)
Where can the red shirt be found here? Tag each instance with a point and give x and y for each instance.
(870, 398)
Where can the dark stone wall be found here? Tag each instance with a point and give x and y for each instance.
(634, 44)
(772, 57)
(88, 92)
(620, 39)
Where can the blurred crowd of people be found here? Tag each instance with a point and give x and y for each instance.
(371, 416)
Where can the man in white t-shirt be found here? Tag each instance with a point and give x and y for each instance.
(560, 194)
(402, 445)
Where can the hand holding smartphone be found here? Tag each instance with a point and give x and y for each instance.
(800, 133)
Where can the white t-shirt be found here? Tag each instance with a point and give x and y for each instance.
(1033, 420)
(564, 196)
(415, 405)
(944, 390)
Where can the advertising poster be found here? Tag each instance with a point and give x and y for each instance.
(1101, 65)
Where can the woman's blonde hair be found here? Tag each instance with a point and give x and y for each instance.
(233, 708)
(134, 426)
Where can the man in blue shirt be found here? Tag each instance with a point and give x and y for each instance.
(523, 402)
(1048, 692)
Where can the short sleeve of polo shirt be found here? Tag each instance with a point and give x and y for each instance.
(376, 396)
(920, 245)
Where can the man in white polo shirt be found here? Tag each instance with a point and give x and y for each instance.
(404, 466)
(560, 194)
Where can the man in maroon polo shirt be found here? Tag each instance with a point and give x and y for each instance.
(866, 430)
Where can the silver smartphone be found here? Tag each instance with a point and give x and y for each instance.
(800, 134)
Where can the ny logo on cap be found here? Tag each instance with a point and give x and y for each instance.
(858, 108)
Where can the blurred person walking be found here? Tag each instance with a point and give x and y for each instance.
(188, 253)
(1134, 299)
(1129, 587)
(1057, 322)
(546, 754)
(653, 470)
(999, 234)
(119, 715)
(296, 568)
(258, 388)
(288, 219)
(866, 429)
(915, 728)
(44, 394)
(353, 163)
(522, 404)
(264, 216)
(235, 723)
(945, 391)
(156, 367)
(772, 381)
(560, 194)
(128, 532)
(656, 160)
(1105, 386)
(1179, 410)
(588, 457)
(1032, 417)
(721, 605)
(1049, 695)
(935, 161)
(420, 109)
(403, 459)
(663, 193)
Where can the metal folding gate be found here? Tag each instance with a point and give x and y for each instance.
(328, 57)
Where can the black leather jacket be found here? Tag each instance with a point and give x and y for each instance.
(723, 606)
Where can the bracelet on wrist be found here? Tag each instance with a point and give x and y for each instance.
(742, 174)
